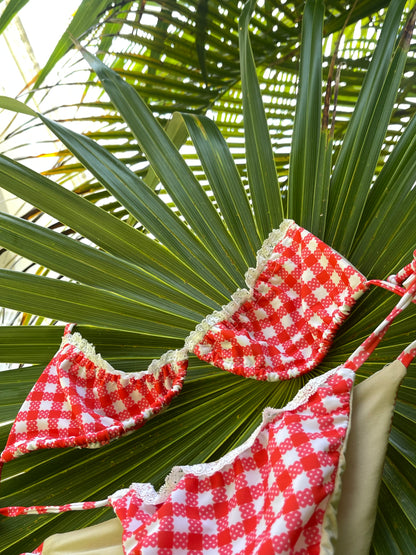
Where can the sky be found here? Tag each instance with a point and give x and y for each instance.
(44, 22)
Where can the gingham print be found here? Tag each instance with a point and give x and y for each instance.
(398, 283)
(267, 496)
(361, 354)
(37, 551)
(270, 499)
(270, 495)
(81, 401)
(408, 271)
(408, 354)
(284, 328)
(301, 291)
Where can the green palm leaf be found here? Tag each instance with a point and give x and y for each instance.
(360, 151)
(162, 62)
(307, 125)
(215, 214)
(173, 172)
(103, 229)
(225, 183)
(261, 171)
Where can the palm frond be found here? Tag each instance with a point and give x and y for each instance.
(186, 274)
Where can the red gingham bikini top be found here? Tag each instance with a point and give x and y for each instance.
(269, 495)
(280, 327)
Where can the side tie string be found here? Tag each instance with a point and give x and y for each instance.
(361, 354)
(398, 283)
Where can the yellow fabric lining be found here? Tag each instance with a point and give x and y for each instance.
(101, 539)
(372, 413)
(352, 509)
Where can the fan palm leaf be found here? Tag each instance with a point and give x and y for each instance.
(155, 48)
(137, 291)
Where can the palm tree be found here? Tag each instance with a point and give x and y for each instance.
(185, 57)
(141, 288)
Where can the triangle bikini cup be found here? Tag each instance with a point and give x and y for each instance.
(278, 328)
(299, 294)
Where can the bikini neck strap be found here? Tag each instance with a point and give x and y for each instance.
(361, 354)
(398, 283)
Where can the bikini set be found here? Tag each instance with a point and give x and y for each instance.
(272, 493)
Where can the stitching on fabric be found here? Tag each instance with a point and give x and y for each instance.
(241, 295)
(88, 350)
(151, 496)
(266, 250)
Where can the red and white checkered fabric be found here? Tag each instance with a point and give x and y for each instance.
(398, 283)
(408, 354)
(81, 401)
(270, 494)
(269, 497)
(37, 551)
(300, 293)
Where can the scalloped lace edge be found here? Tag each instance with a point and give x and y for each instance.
(237, 299)
(266, 250)
(241, 295)
(84, 346)
(150, 496)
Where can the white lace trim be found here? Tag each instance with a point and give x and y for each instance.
(150, 496)
(196, 336)
(266, 250)
(84, 346)
(241, 295)
(145, 491)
